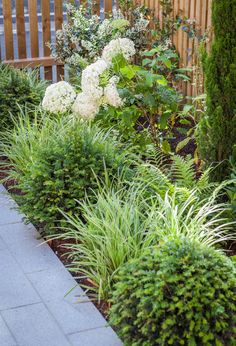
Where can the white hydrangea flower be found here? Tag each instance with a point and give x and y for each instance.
(85, 107)
(59, 97)
(111, 95)
(90, 79)
(118, 46)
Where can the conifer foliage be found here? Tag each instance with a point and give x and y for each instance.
(217, 129)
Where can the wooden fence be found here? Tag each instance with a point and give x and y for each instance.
(35, 56)
(31, 54)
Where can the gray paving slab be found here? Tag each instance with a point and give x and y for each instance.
(28, 248)
(55, 284)
(2, 244)
(36, 308)
(8, 211)
(33, 325)
(76, 317)
(95, 337)
(15, 289)
(6, 338)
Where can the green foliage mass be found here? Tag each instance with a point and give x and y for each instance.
(127, 217)
(178, 294)
(217, 129)
(18, 89)
(54, 163)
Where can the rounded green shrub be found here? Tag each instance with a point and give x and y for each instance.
(18, 89)
(56, 163)
(180, 293)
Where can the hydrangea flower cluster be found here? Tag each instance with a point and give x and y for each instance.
(85, 107)
(93, 95)
(111, 95)
(59, 97)
(95, 90)
(91, 79)
(122, 46)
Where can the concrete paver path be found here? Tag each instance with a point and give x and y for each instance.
(34, 310)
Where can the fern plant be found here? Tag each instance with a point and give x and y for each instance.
(162, 173)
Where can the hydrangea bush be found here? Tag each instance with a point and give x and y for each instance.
(98, 84)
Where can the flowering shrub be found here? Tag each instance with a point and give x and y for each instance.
(59, 97)
(83, 37)
(177, 294)
(98, 87)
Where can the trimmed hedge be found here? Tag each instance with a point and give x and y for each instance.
(18, 89)
(177, 294)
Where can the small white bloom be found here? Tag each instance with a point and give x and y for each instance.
(111, 95)
(118, 46)
(104, 29)
(59, 97)
(85, 107)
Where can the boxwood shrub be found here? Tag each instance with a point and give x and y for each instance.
(18, 89)
(178, 294)
(56, 163)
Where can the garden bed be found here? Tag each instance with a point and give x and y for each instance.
(132, 185)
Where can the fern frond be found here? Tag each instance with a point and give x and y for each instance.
(183, 171)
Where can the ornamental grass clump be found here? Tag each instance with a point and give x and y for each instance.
(112, 231)
(54, 162)
(179, 293)
(127, 218)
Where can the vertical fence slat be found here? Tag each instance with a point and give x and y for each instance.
(20, 24)
(46, 24)
(209, 23)
(107, 6)
(189, 49)
(58, 8)
(8, 34)
(33, 21)
(96, 7)
(185, 43)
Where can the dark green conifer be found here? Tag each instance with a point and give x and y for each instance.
(217, 129)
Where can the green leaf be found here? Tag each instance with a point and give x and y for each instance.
(128, 72)
(168, 63)
(163, 120)
(161, 80)
(146, 61)
(187, 108)
(166, 147)
(152, 52)
(182, 144)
